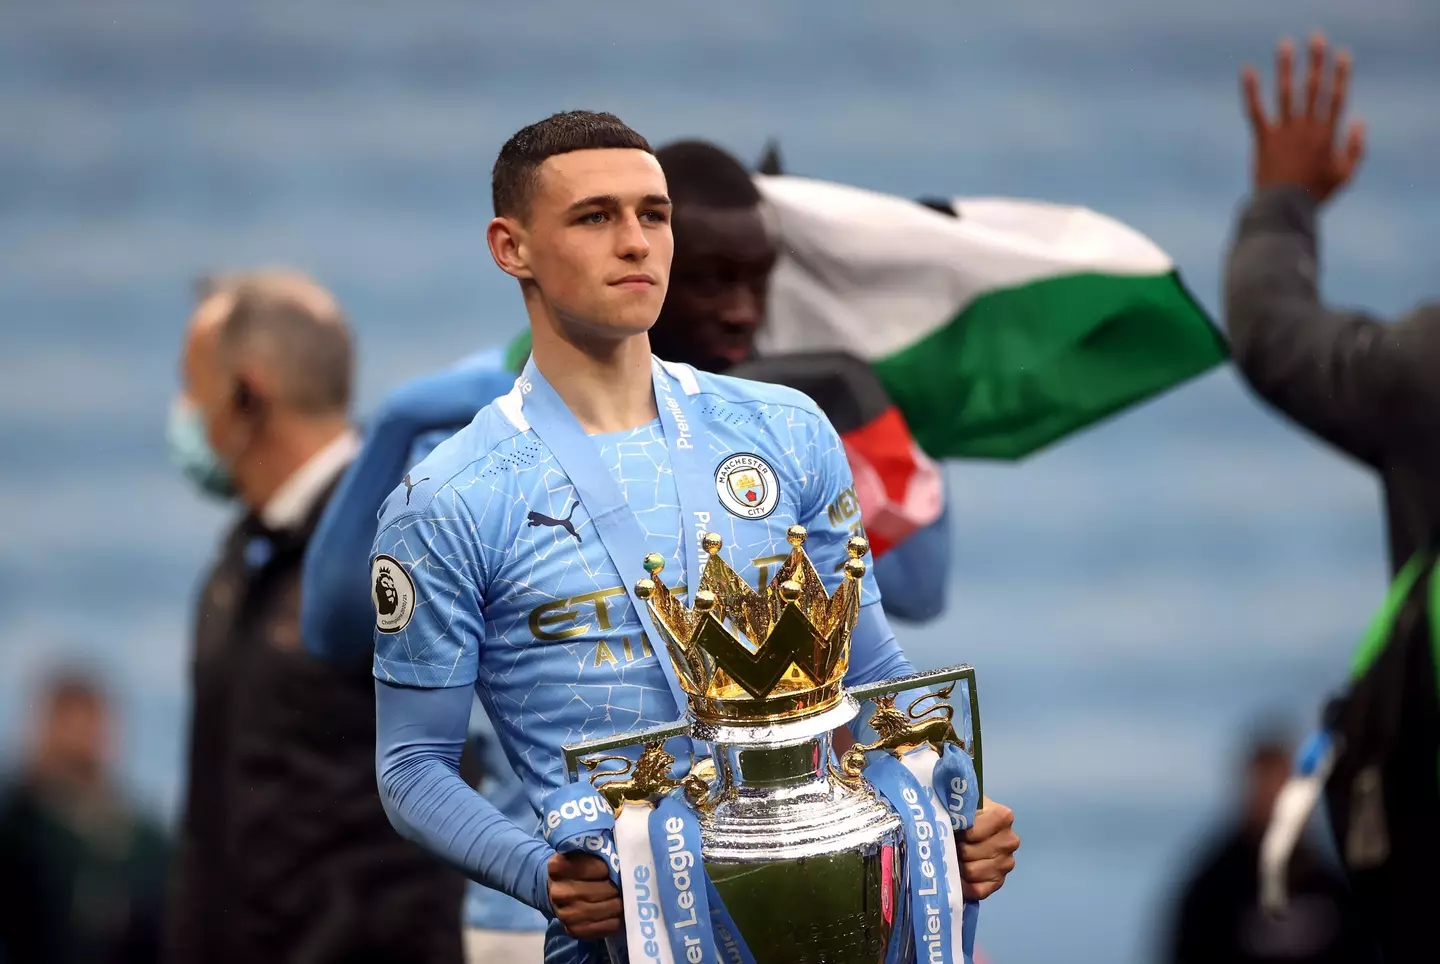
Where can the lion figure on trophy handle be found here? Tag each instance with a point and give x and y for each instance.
(901, 731)
(648, 778)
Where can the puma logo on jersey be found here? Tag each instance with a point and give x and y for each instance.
(410, 486)
(541, 519)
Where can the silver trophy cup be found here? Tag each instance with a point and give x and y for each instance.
(808, 858)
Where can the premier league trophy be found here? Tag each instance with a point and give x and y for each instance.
(802, 856)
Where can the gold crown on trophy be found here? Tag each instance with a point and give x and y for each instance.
(746, 656)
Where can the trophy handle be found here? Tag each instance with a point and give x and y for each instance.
(699, 785)
(903, 731)
(644, 781)
(575, 751)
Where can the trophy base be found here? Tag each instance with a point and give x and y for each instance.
(840, 908)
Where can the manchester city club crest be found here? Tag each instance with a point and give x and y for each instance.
(747, 486)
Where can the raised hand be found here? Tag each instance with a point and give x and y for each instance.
(1298, 145)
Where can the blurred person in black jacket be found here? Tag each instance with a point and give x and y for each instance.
(1217, 918)
(83, 871)
(285, 851)
(1372, 390)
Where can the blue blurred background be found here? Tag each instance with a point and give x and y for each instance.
(1131, 598)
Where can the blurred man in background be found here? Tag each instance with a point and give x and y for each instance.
(724, 254)
(83, 872)
(337, 616)
(285, 851)
(1218, 919)
(1372, 390)
(726, 249)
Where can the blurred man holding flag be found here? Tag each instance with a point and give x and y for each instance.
(996, 325)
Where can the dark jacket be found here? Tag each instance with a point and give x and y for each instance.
(1369, 388)
(1382, 796)
(1218, 920)
(84, 877)
(1372, 390)
(285, 852)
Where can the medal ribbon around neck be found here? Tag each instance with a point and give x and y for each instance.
(620, 532)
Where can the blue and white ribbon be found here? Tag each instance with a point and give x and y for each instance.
(926, 832)
(644, 919)
(577, 819)
(955, 784)
(673, 913)
(684, 899)
(957, 794)
(620, 532)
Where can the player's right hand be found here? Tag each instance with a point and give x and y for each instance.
(585, 901)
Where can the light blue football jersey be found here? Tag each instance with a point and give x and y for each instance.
(490, 571)
(486, 908)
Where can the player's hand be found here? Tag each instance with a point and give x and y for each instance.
(987, 850)
(585, 901)
(1298, 145)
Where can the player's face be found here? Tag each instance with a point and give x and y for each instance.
(597, 240)
(716, 304)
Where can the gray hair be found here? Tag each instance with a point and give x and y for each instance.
(295, 328)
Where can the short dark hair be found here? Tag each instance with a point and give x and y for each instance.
(512, 180)
(699, 172)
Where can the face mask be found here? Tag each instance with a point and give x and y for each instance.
(192, 454)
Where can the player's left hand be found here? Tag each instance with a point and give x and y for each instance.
(987, 850)
(585, 902)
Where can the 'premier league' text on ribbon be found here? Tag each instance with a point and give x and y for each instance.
(681, 860)
(676, 845)
(648, 912)
(924, 854)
